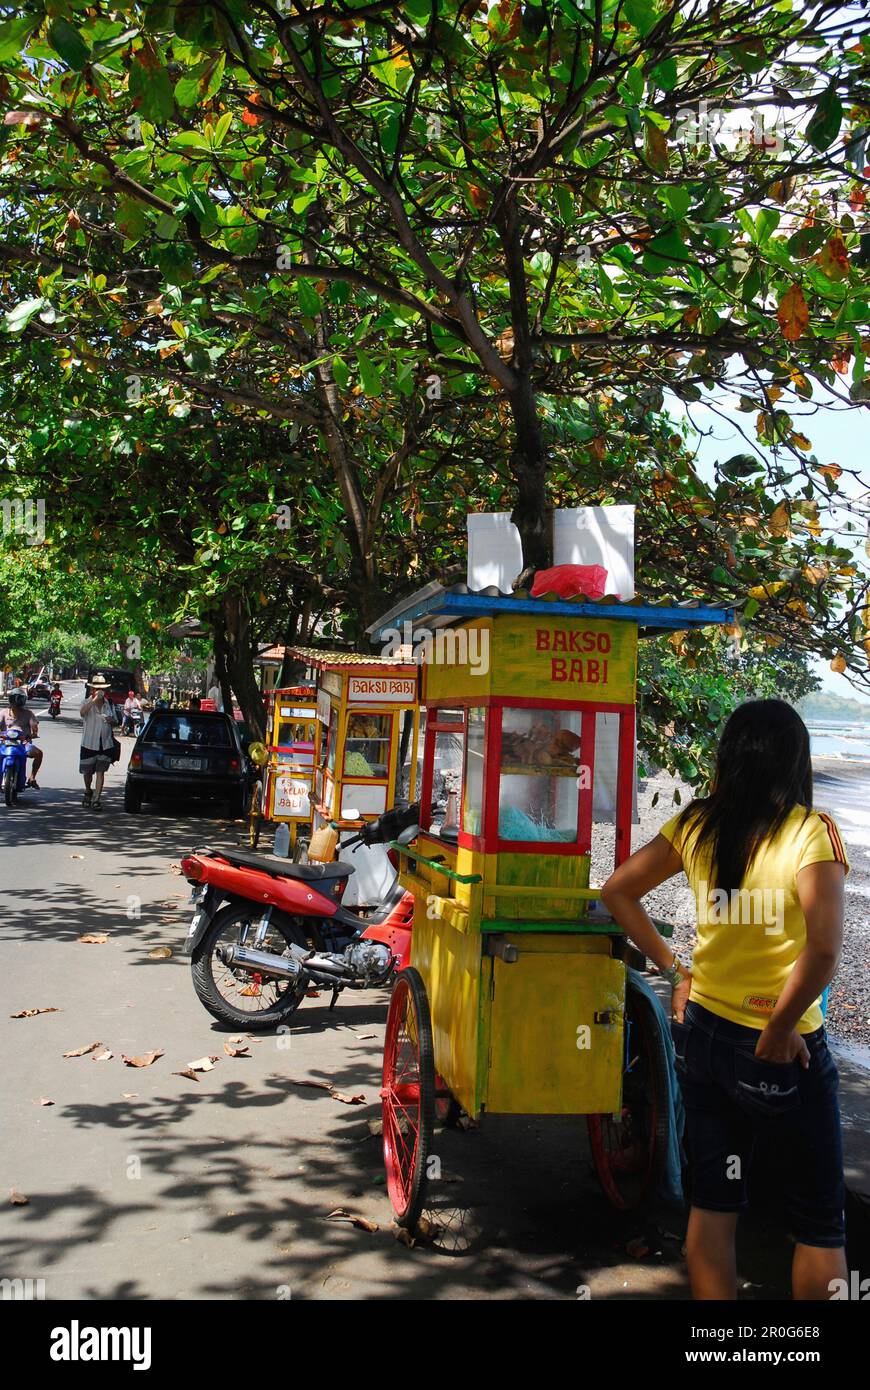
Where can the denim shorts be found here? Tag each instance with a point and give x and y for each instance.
(733, 1099)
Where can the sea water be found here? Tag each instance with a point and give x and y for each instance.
(837, 739)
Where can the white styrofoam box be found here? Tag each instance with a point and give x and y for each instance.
(495, 551)
(597, 536)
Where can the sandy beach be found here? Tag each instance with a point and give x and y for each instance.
(842, 788)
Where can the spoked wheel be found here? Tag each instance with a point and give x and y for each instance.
(408, 1096)
(629, 1149)
(255, 815)
(239, 997)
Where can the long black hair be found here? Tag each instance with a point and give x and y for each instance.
(763, 770)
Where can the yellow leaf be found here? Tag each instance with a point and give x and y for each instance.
(765, 591)
(780, 520)
(800, 441)
(839, 663)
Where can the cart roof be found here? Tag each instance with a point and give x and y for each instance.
(439, 606)
(323, 660)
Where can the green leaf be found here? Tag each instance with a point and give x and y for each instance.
(369, 375)
(766, 224)
(641, 14)
(14, 35)
(825, 122)
(341, 373)
(750, 608)
(678, 199)
(668, 248)
(309, 300)
(68, 43)
(19, 316)
(151, 91)
(664, 75)
(806, 241)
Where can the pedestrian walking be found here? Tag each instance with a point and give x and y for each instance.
(752, 1059)
(98, 743)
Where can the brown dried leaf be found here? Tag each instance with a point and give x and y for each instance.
(43, 1100)
(316, 1085)
(160, 953)
(82, 1051)
(237, 1051)
(18, 1199)
(31, 1013)
(77, 856)
(103, 1056)
(189, 1073)
(346, 1100)
(361, 1222)
(94, 939)
(146, 1060)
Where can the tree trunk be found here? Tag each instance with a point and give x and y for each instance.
(220, 669)
(239, 656)
(532, 514)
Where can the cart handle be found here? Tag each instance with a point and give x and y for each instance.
(434, 864)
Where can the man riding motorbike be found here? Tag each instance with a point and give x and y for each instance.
(131, 704)
(18, 716)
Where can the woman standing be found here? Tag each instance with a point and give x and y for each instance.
(767, 872)
(96, 754)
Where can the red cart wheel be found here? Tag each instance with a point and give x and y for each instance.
(408, 1097)
(629, 1149)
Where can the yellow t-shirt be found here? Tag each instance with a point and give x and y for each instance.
(748, 942)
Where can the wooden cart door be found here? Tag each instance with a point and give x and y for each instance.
(556, 1029)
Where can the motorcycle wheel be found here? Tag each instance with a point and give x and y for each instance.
(224, 992)
(10, 786)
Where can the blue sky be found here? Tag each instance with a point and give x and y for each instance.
(838, 434)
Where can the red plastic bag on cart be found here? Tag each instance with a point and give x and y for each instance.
(569, 581)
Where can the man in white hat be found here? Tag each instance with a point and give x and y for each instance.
(98, 718)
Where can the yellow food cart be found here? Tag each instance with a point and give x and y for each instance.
(284, 795)
(518, 997)
(369, 716)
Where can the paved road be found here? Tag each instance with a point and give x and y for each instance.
(144, 1184)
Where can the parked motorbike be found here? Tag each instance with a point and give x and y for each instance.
(266, 931)
(13, 764)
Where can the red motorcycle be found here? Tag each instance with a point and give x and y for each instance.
(265, 931)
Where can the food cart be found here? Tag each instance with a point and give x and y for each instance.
(369, 716)
(288, 760)
(518, 998)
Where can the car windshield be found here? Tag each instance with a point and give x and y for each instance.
(189, 729)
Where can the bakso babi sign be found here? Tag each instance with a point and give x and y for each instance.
(377, 690)
(567, 659)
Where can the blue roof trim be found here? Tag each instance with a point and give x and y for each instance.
(446, 605)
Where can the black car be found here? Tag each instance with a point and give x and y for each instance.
(38, 690)
(184, 753)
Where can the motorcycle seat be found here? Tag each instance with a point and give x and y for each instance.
(281, 868)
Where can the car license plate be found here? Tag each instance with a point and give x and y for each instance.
(186, 764)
